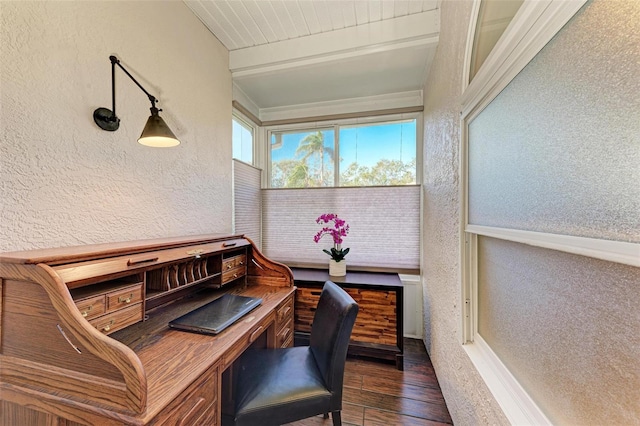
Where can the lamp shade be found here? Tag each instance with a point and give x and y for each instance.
(157, 134)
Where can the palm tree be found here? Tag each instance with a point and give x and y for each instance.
(313, 146)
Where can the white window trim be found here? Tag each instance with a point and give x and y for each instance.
(533, 26)
(343, 122)
(515, 402)
(239, 116)
(613, 251)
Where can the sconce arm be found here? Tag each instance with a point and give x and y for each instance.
(107, 119)
(116, 61)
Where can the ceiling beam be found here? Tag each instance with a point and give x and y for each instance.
(417, 29)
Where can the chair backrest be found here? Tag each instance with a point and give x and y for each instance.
(330, 333)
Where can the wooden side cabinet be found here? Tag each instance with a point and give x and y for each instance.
(378, 331)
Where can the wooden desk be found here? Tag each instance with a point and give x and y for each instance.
(378, 331)
(85, 338)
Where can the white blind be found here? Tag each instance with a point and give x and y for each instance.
(247, 201)
(384, 225)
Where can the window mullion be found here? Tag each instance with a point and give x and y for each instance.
(336, 155)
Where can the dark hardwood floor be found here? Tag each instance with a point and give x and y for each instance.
(377, 394)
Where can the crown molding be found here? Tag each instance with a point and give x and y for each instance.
(393, 101)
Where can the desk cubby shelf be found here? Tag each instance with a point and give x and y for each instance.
(163, 283)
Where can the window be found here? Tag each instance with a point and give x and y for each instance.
(372, 154)
(302, 159)
(502, 77)
(242, 140)
(493, 18)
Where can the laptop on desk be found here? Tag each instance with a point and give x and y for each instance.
(217, 315)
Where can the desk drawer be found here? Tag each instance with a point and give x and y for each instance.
(284, 335)
(92, 307)
(285, 312)
(119, 319)
(124, 297)
(208, 418)
(245, 341)
(197, 405)
(234, 262)
(233, 274)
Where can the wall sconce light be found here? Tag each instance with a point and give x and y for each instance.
(156, 133)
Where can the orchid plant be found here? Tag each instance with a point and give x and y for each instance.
(338, 231)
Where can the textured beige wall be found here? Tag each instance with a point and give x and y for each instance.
(64, 181)
(469, 400)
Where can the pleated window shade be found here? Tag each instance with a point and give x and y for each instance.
(247, 201)
(384, 225)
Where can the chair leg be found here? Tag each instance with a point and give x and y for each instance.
(325, 416)
(337, 420)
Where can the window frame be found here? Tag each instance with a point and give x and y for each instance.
(248, 124)
(336, 125)
(533, 26)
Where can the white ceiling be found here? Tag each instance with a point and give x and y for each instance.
(293, 52)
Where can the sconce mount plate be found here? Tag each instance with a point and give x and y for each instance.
(105, 119)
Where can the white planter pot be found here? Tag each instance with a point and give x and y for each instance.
(337, 269)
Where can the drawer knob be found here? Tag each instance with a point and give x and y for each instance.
(235, 275)
(108, 326)
(86, 311)
(125, 299)
(228, 266)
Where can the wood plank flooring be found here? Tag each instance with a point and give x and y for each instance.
(377, 394)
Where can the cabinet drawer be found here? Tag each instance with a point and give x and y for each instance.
(285, 312)
(209, 417)
(288, 343)
(245, 341)
(124, 297)
(117, 320)
(196, 404)
(233, 274)
(234, 262)
(284, 334)
(92, 307)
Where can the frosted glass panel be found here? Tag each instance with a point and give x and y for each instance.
(566, 326)
(558, 150)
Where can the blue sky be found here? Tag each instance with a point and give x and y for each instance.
(366, 144)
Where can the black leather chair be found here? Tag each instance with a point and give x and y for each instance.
(276, 386)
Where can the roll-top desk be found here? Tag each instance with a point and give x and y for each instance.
(84, 335)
